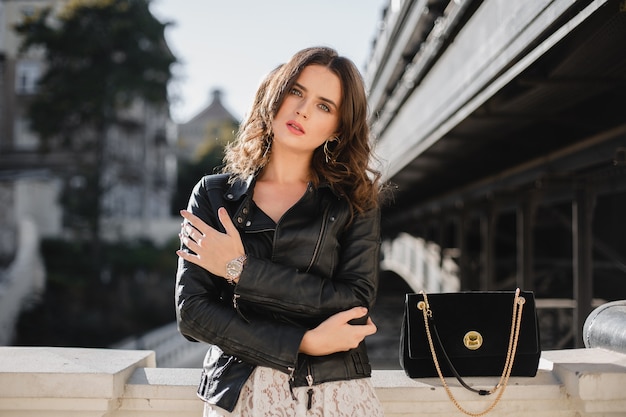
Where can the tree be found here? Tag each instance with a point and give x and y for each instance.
(189, 173)
(101, 56)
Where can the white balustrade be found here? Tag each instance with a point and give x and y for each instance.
(55, 382)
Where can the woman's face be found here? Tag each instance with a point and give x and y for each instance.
(309, 114)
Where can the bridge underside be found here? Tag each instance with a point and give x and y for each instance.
(514, 150)
(559, 119)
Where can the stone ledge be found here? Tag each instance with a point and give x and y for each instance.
(590, 374)
(68, 372)
(46, 382)
(538, 396)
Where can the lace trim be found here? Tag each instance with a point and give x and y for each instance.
(266, 394)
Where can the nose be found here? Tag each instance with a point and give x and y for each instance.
(302, 109)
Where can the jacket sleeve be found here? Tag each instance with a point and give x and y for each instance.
(354, 282)
(203, 313)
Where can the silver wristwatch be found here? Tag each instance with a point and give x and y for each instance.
(234, 268)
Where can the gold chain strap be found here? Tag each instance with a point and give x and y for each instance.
(518, 304)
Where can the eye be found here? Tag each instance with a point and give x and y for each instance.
(324, 107)
(296, 92)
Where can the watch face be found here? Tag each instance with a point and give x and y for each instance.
(234, 268)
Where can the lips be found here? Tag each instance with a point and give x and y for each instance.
(295, 127)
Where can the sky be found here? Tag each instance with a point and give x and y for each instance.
(232, 44)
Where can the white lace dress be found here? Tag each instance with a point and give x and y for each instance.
(266, 394)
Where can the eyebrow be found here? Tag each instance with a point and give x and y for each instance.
(327, 100)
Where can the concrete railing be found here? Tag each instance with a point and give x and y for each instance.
(171, 349)
(73, 382)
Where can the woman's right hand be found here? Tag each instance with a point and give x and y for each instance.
(335, 334)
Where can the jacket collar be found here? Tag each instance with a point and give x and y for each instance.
(237, 191)
(239, 188)
(241, 191)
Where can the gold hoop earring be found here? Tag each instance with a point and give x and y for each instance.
(327, 152)
(267, 148)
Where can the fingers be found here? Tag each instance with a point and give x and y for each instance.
(187, 256)
(211, 249)
(190, 241)
(370, 327)
(336, 334)
(362, 329)
(195, 228)
(353, 313)
(190, 233)
(205, 229)
(194, 220)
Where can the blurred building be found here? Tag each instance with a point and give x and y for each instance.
(138, 173)
(139, 164)
(212, 126)
(27, 182)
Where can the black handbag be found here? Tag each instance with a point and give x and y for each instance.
(466, 334)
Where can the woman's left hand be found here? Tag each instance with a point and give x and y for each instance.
(213, 249)
(336, 334)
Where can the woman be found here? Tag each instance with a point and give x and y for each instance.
(279, 259)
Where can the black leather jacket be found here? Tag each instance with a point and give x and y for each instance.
(319, 266)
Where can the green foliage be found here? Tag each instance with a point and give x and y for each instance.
(100, 56)
(128, 257)
(67, 262)
(70, 259)
(135, 295)
(190, 173)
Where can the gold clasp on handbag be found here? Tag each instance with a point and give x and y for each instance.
(473, 340)
(423, 305)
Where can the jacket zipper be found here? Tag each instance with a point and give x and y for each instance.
(320, 236)
(309, 381)
(319, 239)
(292, 370)
(236, 306)
(309, 393)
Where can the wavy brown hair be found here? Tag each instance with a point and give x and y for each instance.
(348, 172)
